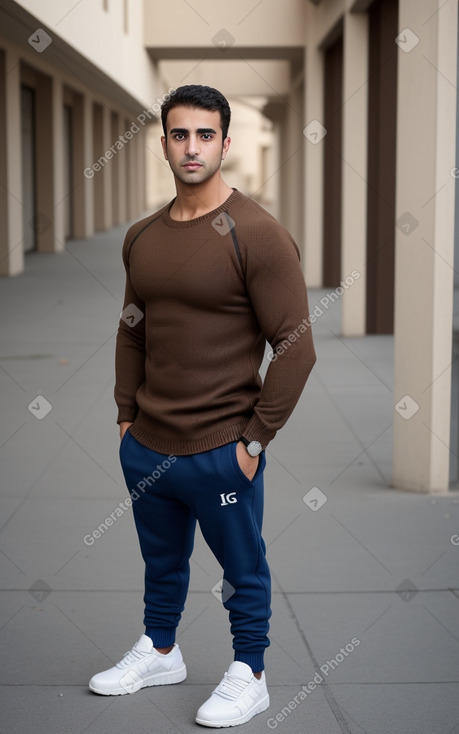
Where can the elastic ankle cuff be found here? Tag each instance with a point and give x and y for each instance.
(253, 659)
(162, 637)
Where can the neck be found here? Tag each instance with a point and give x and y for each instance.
(195, 200)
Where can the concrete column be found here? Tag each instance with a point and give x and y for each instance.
(122, 182)
(59, 187)
(11, 226)
(131, 175)
(283, 155)
(49, 220)
(275, 111)
(273, 185)
(141, 171)
(88, 119)
(83, 156)
(426, 121)
(135, 178)
(107, 171)
(293, 169)
(354, 172)
(98, 151)
(103, 171)
(313, 166)
(115, 168)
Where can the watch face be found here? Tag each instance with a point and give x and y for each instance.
(254, 448)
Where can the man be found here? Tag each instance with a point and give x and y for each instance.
(209, 278)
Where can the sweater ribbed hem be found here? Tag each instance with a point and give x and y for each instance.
(253, 659)
(145, 434)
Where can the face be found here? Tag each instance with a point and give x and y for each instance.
(195, 147)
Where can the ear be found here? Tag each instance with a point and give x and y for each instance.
(164, 145)
(225, 149)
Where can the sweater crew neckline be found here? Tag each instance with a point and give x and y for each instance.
(178, 224)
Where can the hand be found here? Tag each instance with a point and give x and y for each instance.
(124, 425)
(248, 464)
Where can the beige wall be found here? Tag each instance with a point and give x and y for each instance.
(101, 37)
(197, 24)
(233, 78)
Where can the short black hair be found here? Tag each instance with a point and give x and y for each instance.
(197, 95)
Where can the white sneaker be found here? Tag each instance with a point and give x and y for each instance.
(142, 666)
(236, 699)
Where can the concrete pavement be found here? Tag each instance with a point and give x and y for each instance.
(365, 626)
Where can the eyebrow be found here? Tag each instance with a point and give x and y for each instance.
(184, 131)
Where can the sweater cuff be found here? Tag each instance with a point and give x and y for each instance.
(256, 431)
(127, 414)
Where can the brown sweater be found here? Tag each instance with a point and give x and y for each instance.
(209, 292)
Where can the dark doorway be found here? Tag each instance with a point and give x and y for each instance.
(28, 158)
(68, 171)
(382, 113)
(333, 102)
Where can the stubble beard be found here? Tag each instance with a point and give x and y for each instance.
(194, 177)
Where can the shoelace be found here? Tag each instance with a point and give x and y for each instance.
(230, 687)
(131, 657)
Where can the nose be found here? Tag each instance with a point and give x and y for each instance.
(192, 147)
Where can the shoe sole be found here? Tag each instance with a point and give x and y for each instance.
(257, 709)
(134, 683)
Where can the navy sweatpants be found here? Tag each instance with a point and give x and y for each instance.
(169, 494)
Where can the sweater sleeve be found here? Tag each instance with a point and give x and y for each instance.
(277, 291)
(130, 347)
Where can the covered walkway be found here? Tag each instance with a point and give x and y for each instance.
(366, 591)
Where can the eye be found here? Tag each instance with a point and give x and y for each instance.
(179, 136)
(207, 136)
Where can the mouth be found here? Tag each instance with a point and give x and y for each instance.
(192, 166)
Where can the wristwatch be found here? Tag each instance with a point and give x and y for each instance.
(254, 448)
